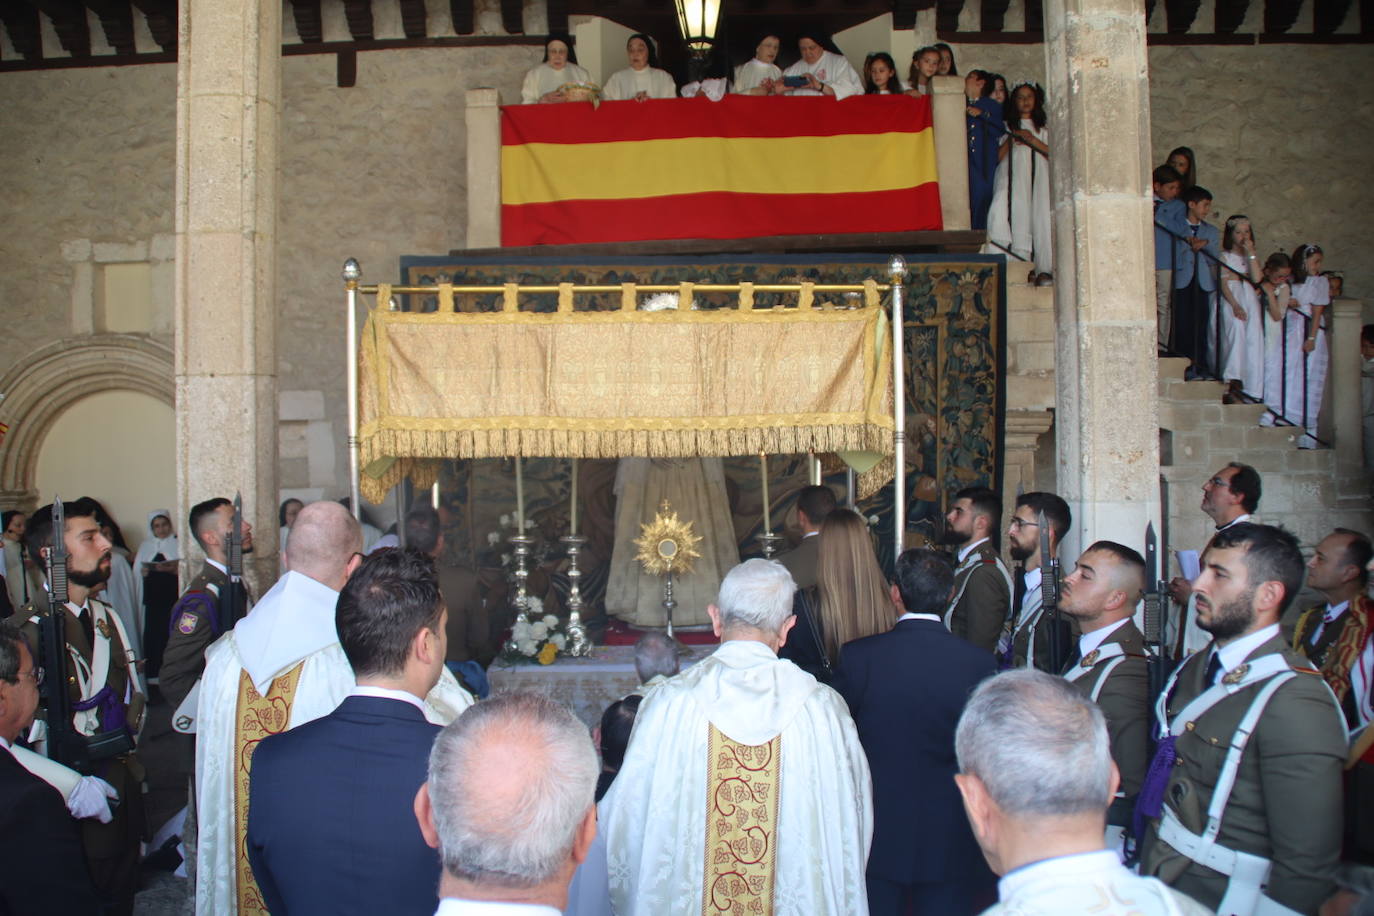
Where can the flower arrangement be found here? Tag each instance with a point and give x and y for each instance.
(538, 639)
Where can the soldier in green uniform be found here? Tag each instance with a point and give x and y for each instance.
(978, 607)
(1244, 793)
(105, 691)
(197, 619)
(1108, 665)
(1031, 635)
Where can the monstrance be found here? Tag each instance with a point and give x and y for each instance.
(667, 547)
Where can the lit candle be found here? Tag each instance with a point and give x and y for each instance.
(573, 526)
(519, 497)
(763, 472)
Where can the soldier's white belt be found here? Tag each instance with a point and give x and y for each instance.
(1248, 873)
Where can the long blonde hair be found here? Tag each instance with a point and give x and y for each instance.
(855, 598)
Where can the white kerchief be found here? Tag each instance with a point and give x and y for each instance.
(747, 692)
(294, 619)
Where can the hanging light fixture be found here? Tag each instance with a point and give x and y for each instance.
(697, 21)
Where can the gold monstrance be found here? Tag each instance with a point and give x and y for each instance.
(667, 547)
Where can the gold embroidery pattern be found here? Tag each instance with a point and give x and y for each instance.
(742, 790)
(258, 717)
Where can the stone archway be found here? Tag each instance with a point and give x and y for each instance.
(38, 389)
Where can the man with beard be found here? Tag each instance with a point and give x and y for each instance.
(197, 618)
(1032, 630)
(1108, 664)
(1229, 497)
(103, 680)
(1244, 794)
(977, 608)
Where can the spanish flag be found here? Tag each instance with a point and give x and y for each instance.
(742, 167)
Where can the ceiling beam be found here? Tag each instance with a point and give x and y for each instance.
(1279, 15)
(1229, 15)
(994, 14)
(309, 23)
(117, 21)
(1327, 15)
(1180, 15)
(413, 18)
(513, 17)
(463, 21)
(358, 13)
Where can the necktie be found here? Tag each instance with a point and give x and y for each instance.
(1018, 592)
(87, 626)
(1213, 669)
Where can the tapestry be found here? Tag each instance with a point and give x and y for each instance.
(955, 367)
(743, 167)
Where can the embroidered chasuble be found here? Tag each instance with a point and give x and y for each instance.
(742, 811)
(258, 717)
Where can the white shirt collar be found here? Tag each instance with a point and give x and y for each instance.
(1032, 579)
(810, 534)
(1334, 611)
(910, 616)
(451, 906)
(1090, 641)
(1232, 654)
(4, 742)
(1243, 517)
(218, 565)
(1066, 868)
(969, 549)
(386, 693)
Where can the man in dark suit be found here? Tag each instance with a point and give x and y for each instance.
(1108, 664)
(906, 689)
(814, 503)
(42, 867)
(339, 791)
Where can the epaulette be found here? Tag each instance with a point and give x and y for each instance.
(1305, 670)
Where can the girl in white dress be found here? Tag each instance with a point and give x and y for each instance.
(545, 82)
(1019, 218)
(642, 79)
(1242, 325)
(880, 75)
(1276, 288)
(924, 64)
(1305, 355)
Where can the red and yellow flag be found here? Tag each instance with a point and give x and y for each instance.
(691, 168)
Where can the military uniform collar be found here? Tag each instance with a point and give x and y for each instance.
(1333, 612)
(217, 565)
(1247, 647)
(1090, 641)
(970, 548)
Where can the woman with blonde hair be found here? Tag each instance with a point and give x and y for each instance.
(854, 595)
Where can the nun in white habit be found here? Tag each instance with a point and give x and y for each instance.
(155, 564)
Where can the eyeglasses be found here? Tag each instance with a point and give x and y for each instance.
(1018, 523)
(36, 673)
(1218, 482)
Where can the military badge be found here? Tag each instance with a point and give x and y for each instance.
(1234, 677)
(103, 626)
(186, 623)
(1090, 659)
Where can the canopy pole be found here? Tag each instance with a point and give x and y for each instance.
(897, 269)
(351, 272)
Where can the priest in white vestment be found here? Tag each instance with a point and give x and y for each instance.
(280, 667)
(1038, 807)
(744, 781)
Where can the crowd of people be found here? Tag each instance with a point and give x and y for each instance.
(970, 736)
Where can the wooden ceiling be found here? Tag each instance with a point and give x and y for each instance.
(440, 22)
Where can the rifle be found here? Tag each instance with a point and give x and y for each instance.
(233, 549)
(64, 743)
(1157, 663)
(1049, 599)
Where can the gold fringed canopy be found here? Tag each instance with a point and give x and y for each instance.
(600, 384)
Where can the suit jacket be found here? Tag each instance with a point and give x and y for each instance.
(1186, 261)
(1286, 805)
(331, 827)
(981, 610)
(195, 623)
(1125, 700)
(1171, 215)
(42, 867)
(800, 561)
(906, 690)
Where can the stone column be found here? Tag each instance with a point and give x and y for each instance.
(484, 168)
(1343, 411)
(228, 104)
(1107, 410)
(951, 149)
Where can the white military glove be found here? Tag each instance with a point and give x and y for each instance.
(91, 798)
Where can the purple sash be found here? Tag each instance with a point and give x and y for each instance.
(1150, 803)
(112, 713)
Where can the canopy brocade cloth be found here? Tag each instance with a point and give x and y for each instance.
(597, 384)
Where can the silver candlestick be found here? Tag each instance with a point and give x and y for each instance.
(669, 602)
(579, 643)
(770, 542)
(523, 543)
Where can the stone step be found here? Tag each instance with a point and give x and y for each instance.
(1199, 390)
(1246, 414)
(1173, 367)
(1024, 297)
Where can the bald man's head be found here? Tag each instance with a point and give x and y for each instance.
(324, 539)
